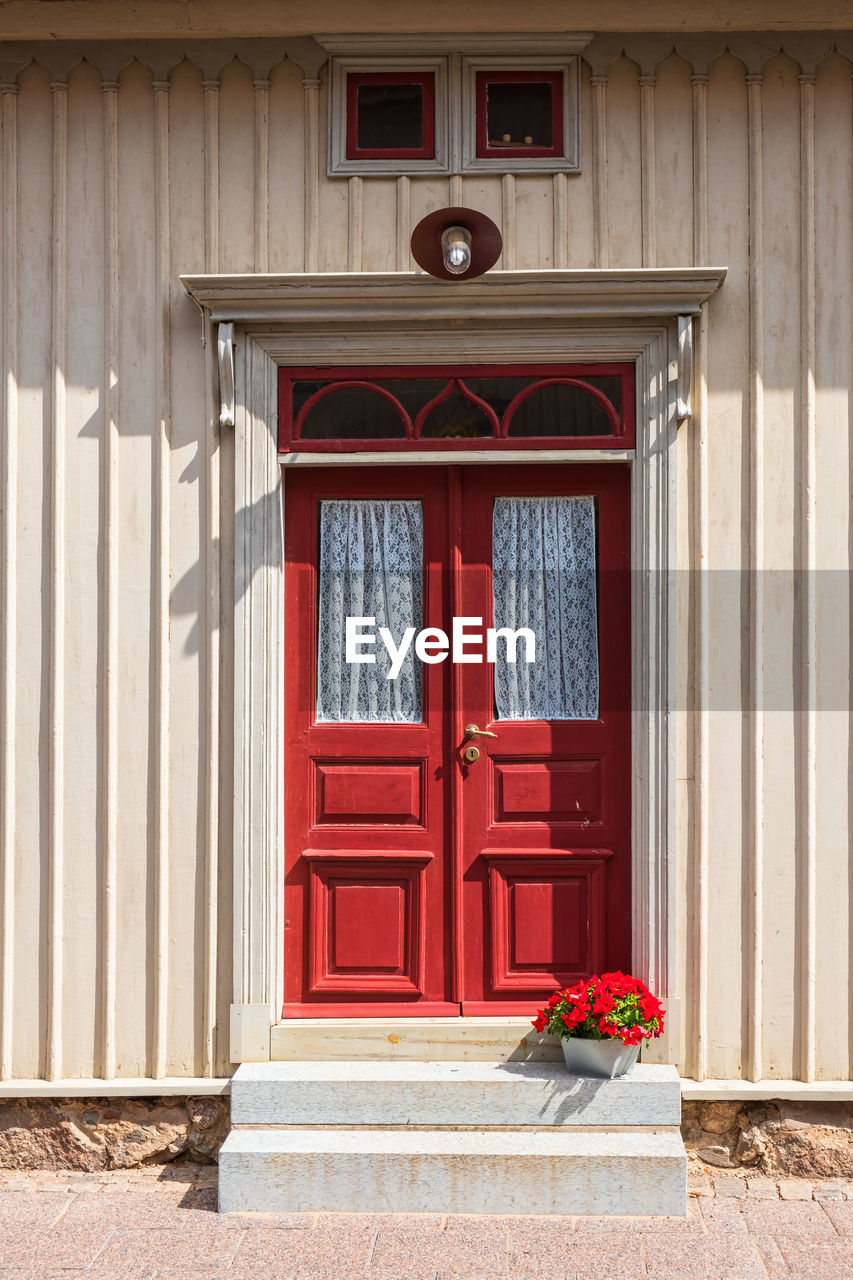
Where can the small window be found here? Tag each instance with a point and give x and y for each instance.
(391, 116)
(519, 113)
(440, 407)
(388, 115)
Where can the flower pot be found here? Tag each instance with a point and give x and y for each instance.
(604, 1058)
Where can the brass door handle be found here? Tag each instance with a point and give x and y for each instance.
(471, 731)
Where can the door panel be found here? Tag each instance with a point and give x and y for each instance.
(366, 855)
(546, 807)
(417, 882)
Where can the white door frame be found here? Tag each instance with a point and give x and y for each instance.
(642, 316)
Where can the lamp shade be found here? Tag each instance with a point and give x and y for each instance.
(427, 250)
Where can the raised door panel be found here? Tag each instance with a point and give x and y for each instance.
(546, 826)
(366, 929)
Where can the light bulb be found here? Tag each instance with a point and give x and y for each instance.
(456, 249)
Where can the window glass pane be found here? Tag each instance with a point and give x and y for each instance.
(390, 117)
(560, 410)
(371, 566)
(352, 413)
(544, 579)
(457, 417)
(520, 115)
(386, 408)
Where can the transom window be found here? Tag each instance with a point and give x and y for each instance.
(479, 406)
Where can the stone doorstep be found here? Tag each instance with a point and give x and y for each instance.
(471, 1094)
(506, 1039)
(445, 1171)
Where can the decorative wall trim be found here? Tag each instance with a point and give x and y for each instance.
(754, 49)
(128, 1087)
(698, 957)
(225, 351)
(754, 841)
(385, 318)
(56, 662)
(685, 366)
(765, 1090)
(520, 43)
(8, 568)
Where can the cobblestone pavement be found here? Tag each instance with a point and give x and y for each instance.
(162, 1223)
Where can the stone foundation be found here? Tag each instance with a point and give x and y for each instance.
(782, 1139)
(785, 1139)
(89, 1134)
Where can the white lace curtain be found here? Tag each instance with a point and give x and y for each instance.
(543, 575)
(371, 565)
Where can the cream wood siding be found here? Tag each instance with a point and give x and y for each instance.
(116, 574)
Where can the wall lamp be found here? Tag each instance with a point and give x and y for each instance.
(456, 243)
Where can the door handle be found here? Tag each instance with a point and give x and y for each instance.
(471, 731)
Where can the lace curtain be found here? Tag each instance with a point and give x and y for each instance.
(543, 574)
(371, 565)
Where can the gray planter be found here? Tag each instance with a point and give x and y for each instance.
(603, 1058)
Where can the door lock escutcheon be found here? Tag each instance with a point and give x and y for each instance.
(471, 754)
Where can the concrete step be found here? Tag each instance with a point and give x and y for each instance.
(531, 1171)
(475, 1094)
(508, 1039)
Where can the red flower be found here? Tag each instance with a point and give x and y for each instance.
(650, 1007)
(616, 1005)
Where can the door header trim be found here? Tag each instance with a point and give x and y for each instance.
(517, 298)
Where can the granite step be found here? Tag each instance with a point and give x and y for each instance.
(450, 1094)
(499, 1171)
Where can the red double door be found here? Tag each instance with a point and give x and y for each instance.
(421, 880)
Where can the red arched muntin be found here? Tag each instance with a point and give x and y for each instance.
(416, 392)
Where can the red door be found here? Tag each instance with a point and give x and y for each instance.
(420, 881)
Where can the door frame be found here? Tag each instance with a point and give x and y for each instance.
(643, 316)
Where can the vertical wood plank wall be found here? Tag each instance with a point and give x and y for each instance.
(115, 485)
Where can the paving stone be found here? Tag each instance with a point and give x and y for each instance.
(831, 1190)
(34, 1208)
(762, 1189)
(791, 1219)
(178, 1248)
(704, 1258)
(408, 1248)
(818, 1259)
(541, 1255)
(690, 1224)
(840, 1214)
(127, 1212)
(795, 1189)
(306, 1250)
(265, 1221)
(772, 1258)
(131, 1271)
(52, 1249)
(735, 1187)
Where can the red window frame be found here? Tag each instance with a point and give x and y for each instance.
(289, 441)
(426, 80)
(556, 79)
